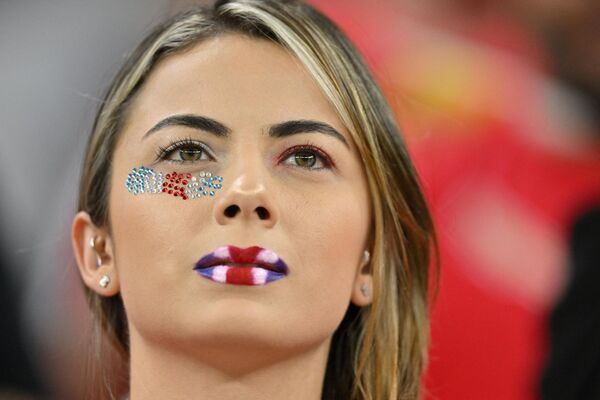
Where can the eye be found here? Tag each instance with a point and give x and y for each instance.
(183, 151)
(307, 156)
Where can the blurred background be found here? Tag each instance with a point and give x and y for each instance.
(499, 105)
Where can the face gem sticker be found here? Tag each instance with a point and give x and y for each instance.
(184, 186)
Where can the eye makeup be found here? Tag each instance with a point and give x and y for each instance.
(311, 152)
(180, 185)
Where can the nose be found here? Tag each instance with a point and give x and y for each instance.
(246, 199)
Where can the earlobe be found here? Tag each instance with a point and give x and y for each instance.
(362, 290)
(93, 252)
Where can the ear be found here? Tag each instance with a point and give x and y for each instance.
(363, 278)
(94, 263)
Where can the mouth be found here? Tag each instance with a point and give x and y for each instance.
(251, 266)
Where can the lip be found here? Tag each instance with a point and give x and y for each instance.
(252, 266)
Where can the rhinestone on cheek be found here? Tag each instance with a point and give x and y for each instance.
(186, 186)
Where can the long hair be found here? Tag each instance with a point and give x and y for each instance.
(378, 351)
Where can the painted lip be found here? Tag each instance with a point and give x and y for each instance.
(242, 266)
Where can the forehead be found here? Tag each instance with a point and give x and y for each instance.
(235, 79)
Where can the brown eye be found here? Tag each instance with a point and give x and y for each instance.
(305, 159)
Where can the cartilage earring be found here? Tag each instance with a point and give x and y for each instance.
(104, 281)
(184, 186)
(364, 289)
(93, 246)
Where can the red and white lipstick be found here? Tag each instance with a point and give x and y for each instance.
(242, 266)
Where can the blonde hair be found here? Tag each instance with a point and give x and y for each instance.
(378, 351)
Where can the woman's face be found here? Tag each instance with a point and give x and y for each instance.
(313, 211)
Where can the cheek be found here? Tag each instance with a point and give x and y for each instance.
(330, 236)
(144, 227)
(335, 223)
(153, 237)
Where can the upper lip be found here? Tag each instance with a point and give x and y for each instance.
(244, 256)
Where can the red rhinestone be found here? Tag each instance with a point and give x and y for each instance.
(168, 176)
(170, 185)
(165, 184)
(181, 189)
(170, 192)
(179, 176)
(164, 190)
(184, 197)
(177, 181)
(188, 176)
(176, 194)
(184, 182)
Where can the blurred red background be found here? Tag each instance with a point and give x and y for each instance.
(508, 156)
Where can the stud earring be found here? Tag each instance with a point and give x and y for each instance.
(364, 289)
(366, 256)
(104, 281)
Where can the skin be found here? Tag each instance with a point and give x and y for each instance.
(193, 338)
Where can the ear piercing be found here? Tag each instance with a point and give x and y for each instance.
(185, 186)
(93, 246)
(104, 281)
(366, 256)
(93, 242)
(364, 289)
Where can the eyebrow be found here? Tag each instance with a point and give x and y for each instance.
(279, 130)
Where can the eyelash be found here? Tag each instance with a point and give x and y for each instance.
(311, 147)
(163, 153)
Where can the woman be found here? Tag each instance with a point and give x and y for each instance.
(250, 224)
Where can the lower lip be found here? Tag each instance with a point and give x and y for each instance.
(249, 276)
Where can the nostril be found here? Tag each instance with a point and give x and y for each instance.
(231, 211)
(262, 213)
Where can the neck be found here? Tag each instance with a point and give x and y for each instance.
(159, 372)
